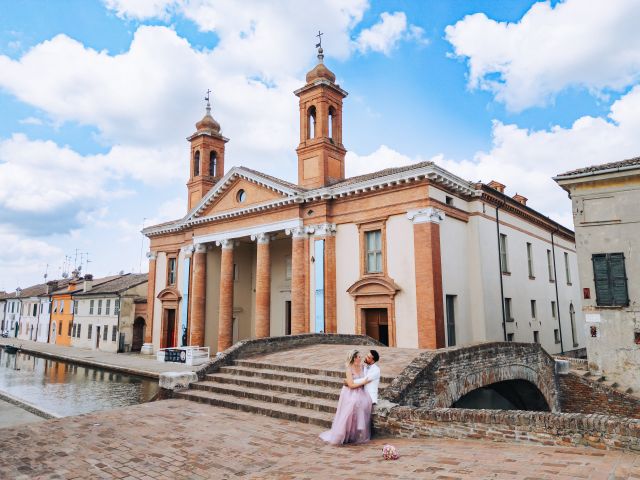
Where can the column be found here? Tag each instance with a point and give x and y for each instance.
(326, 232)
(263, 285)
(198, 296)
(147, 347)
(225, 318)
(299, 322)
(428, 266)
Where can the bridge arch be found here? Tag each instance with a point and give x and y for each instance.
(440, 378)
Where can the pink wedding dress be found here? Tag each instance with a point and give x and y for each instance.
(352, 423)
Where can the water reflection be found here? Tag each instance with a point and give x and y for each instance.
(69, 389)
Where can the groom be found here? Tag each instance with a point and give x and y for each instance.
(371, 375)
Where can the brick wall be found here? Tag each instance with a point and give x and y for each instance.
(580, 394)
(258, 346)
(539, 428)
(439, 378)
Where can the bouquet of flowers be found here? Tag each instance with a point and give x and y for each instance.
(389, 452)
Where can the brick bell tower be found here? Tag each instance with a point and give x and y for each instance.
(320, 153)
(207, 157)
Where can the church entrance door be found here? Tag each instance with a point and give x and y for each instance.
(377, 324)
(169, 339)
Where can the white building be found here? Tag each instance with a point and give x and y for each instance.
(606, 218)
(12, 317)
(3, 311)
(105, 313)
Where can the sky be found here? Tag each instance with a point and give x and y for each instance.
(97, 99)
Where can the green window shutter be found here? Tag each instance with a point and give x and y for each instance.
(618, 278)
(604, 295)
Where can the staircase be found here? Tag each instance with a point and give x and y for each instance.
(300, 394)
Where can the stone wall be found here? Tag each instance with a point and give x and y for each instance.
(580, 394)
(437, 379)
(261, 346)
(539, 428)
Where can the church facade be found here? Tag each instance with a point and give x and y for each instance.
(412, 256)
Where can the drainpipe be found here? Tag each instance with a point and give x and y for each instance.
(504, 320)
(555, 276)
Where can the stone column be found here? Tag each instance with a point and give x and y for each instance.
(147, 347)
(428, 266)
(299, 322)
(198, 296)
(225, 318)
(263, 285)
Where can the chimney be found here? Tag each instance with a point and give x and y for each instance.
(88, 282)
(520, 199)
(51, 286)
(497, 186)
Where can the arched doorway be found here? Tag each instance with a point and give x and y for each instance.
(170, 298)
(138, 334)
(505, 395)
(375, 308)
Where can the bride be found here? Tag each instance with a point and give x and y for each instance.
(352, 423)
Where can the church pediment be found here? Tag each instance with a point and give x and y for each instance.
(240, 189)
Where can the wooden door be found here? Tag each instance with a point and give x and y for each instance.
(377, 324)
(138, 335)
(169, 337)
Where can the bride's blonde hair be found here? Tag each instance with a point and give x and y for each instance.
(352, 356)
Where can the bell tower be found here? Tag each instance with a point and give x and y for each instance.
(206, 157)
(320, 152)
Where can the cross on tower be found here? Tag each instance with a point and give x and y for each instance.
(207, 97)
(319, 35)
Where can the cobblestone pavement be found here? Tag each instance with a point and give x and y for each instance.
(333, 357)
(177, 439)
(132, 363)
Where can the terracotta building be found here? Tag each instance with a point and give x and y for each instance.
(413, 256)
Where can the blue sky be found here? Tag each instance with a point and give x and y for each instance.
(97, 98)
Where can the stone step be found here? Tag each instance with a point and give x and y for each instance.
(307, 389)
(285, 412)
(282, 376)
(297, 369)
(284, 398)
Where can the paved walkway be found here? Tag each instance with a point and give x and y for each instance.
(177, 439)
(333, 357)
(12, 415)
(132, 363)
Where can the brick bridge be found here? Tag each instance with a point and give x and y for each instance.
(440, 378)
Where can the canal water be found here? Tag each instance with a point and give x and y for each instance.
(68, 389)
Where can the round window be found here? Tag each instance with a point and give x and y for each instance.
(241, 196)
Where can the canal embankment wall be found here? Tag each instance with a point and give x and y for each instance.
(29, 407)
(130, 364)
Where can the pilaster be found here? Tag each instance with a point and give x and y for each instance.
(428, 267)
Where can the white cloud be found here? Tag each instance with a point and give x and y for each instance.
(142, 9)
(24, 259)
(575, 43)
(526, 160)
(31, 121)
(385, 35)
(383, 157)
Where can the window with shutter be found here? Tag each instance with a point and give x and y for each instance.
(610, 279)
